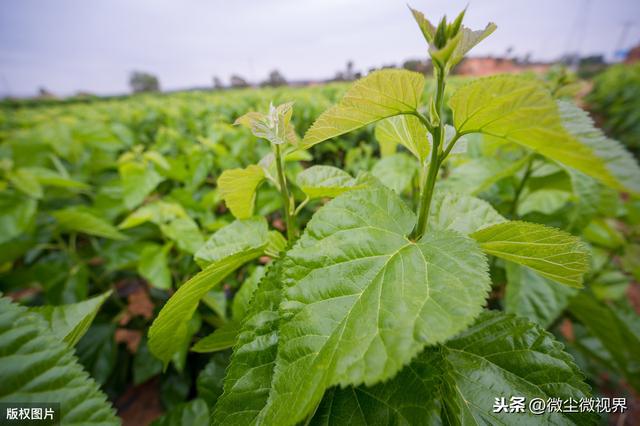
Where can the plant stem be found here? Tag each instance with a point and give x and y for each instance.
(286, 198)
(520, 188)
(434, 164)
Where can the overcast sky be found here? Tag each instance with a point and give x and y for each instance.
(92, 45)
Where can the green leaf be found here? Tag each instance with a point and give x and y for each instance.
(619, 162)
(138, 181)
(241, 300)
(238, 236)
(68, 323)
(462, 213)
(521, 110)
(249, 376)
(26, 182)
(158, 212)
(145, 365)
(237, 187)
(552, 253)
(379, 95)
(211, 378)
(396, 171)
(406, 130)
(534, 297)
(192, 413)
(74, 220)
(618, 329)
(324, 181)
(275, 126)
(546, 201)
(37, 367)
(185, 232)
(222, 338)
(500, 356)
(222, 255)
(349, 330)
(48, 177)
(479, 174)
(153, 265)
(18, 213)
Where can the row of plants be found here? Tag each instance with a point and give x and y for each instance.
(426, 247)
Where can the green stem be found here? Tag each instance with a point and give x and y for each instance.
(520, 188)
(434, 164)
(286, 198)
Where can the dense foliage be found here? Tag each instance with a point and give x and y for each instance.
(427, 246)
(616, 99)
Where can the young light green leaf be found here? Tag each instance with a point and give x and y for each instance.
(37, 367)
(406, 130)
(240, 235)
(545, 201)
(222, 338)
(457, 382)
(619, 162)
(68, 323)
(552, 253)
(18, 213)
(521, 110)
(324, 181)
(530, 295)
(153, 265)
(237, 187)
(74, 220)
(462, 213)
(226, 251)
(346, 330)
(379, 95)
(275, 126)
(396, 171)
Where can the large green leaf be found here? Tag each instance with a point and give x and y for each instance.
(249, 376)
(533, 296)
(552, 253)
(479, 174)
(379, 95)
(396, 171)
(37, 367)
(324, 181)
(76, 220)
(501, 356)
(619, 162)
(617, 327)
(237, 187)
(406, 130)
(521, 110)
(225, 252)
(70, 322)
(185, 232)
(387, 299)
(462, 213)
(18, 213)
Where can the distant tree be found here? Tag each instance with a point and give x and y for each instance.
(143, 82)
(238, 82)
(275, 79)
(417, 65)
(217, 83)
